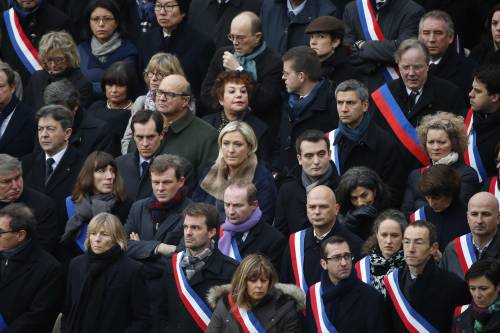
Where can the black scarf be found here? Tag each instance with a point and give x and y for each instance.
(333, 294)
(159, 210)
(380, 267)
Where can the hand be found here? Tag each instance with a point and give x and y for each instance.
(359, 44)
(229, 61)
(165, 249)
(135, 236)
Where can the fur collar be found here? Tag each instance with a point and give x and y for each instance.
(291, 290)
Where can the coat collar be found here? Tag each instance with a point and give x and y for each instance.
(180, 124)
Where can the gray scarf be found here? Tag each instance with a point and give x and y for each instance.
(193, 264)
(309, 184)
(102, 51)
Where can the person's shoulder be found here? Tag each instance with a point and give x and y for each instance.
(139, 203)
(290, 293)
(203, 127)
(217, 293)
(443, 87)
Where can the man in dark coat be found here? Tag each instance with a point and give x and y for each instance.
(310, 104)
(350, 304)
(31, 282)
(251, 54)
(88, 133)
(430, 291)
(12, 189)
(177, 36)
(244, 231)
(483, 218)
(322, 210)
(485, 117)
(437, 32)
(214, 17)
(54, 169)
(17, 120)
(398, 20)
(284, 21)
(202, 265)
(36, 18)
(316, 168)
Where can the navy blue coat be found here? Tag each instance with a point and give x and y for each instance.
(19, 137)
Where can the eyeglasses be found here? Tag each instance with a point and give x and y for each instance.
(158, 75)
(237, 38)
(7, 232)
(55, 60)
(104, 19)
(416, 68)
(168, 94)
(338, 258)
(166, 7)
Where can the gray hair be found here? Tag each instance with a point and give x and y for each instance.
(353, 85)
(439, 15)
(9, 164)
(409, 44)
(62, 92)
(59, 113)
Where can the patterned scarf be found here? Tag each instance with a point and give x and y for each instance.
(380, 267)
(247, 61)
(482, 315)
(159, 210)
(192, 264)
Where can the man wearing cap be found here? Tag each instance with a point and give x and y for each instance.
(326, 37)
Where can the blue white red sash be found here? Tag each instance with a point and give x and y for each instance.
(363, 270)
(465, 251)
(471, 155)
(323, 324)
(402, 128)
(26, 52)
(296, 243)
(3, 324)
(247, 320)
(411, 319)
(234, 252)
(194, 304)
(373, 32)
(493, 188)
(334, 149)
(460, 309)
(417, 215)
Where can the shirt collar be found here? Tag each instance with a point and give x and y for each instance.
(298, 9)
(57, 157)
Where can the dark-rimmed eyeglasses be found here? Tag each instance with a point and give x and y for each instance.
(158, 75)
(7, 232)
(104, 19)
(168, 94)
(237, 38)
(338, 258)
(55, 60)
(168, 7)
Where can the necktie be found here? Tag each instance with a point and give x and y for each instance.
(412, 99)
(48, 168)
(144, 167)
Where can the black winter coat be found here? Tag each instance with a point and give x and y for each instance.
(90, 134)
(19, 137)
(488, 135)
(31, 290)
(337, 67)
(465, 323)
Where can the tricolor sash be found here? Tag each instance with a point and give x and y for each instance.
(411, 319)
(460, 309)
(194, 304)
(471, 155)
(465, 251)
(296, 243)
(247, 320)
(402, 128)
(26, 52)
(323, 324)
(234, 251)
(3, 324)
(334, 148)
(71, 211)
(373, 32)
(493, 188)
(363, 270)
(417, 215)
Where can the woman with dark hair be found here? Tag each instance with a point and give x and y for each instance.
(383, 249)
(361, 195)
(232, 91)
(443, 137)
(106, 290)
(483, 314)
(440, 186)
(119, 84)
(492, 184)
(106, 43)
(486, 52)
(99, 188)
(255, 294)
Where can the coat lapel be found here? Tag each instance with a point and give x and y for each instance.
(62, 170)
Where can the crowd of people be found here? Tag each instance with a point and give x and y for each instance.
(249, 166)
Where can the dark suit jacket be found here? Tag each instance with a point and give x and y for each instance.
(90, 134)
(20, 135)
(60, 184)
(137, 187)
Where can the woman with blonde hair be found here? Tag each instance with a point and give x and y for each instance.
(106, 290)
(237, 161)
(254, 300)
(59, 57)
(443, 137)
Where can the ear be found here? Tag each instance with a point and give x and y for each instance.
(299, 159)
(212, 233)
(67, 133)
(365, 105)
(451, 37)
(182, 180)
(337, 208)
(434, 248)
(336, 42)
(258, 35)
(21, 235)
(323, 264)
(495, 97)
(329, 153)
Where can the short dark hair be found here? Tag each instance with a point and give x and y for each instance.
(121, 74)
(163, 162)
(304, 59)
(427, 225)
(489, 75)
(487, 267)
(21, 218)
(311, 135)
(62, 92)
(59, 113)
(143, 116)
(440, 180)
(109, 5)
(331, 240)
(202, 209)
(183, 6)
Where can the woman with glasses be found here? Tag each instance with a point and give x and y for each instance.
(58, 55)
(443, 137)
(160, 66)
(106, 42)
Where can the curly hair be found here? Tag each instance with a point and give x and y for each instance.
(59, 41)
(230, 77)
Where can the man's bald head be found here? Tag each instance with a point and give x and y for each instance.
(322, 191)
(483, 216)
(173, 97)
(485, 198)
(249, 19)
(322, 208)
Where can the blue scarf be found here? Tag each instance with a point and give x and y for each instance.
(248, 62)
(355, 134)
(298, 105)
(7, 254)
(23, 12)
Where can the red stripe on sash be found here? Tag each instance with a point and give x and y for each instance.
(236, 313)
